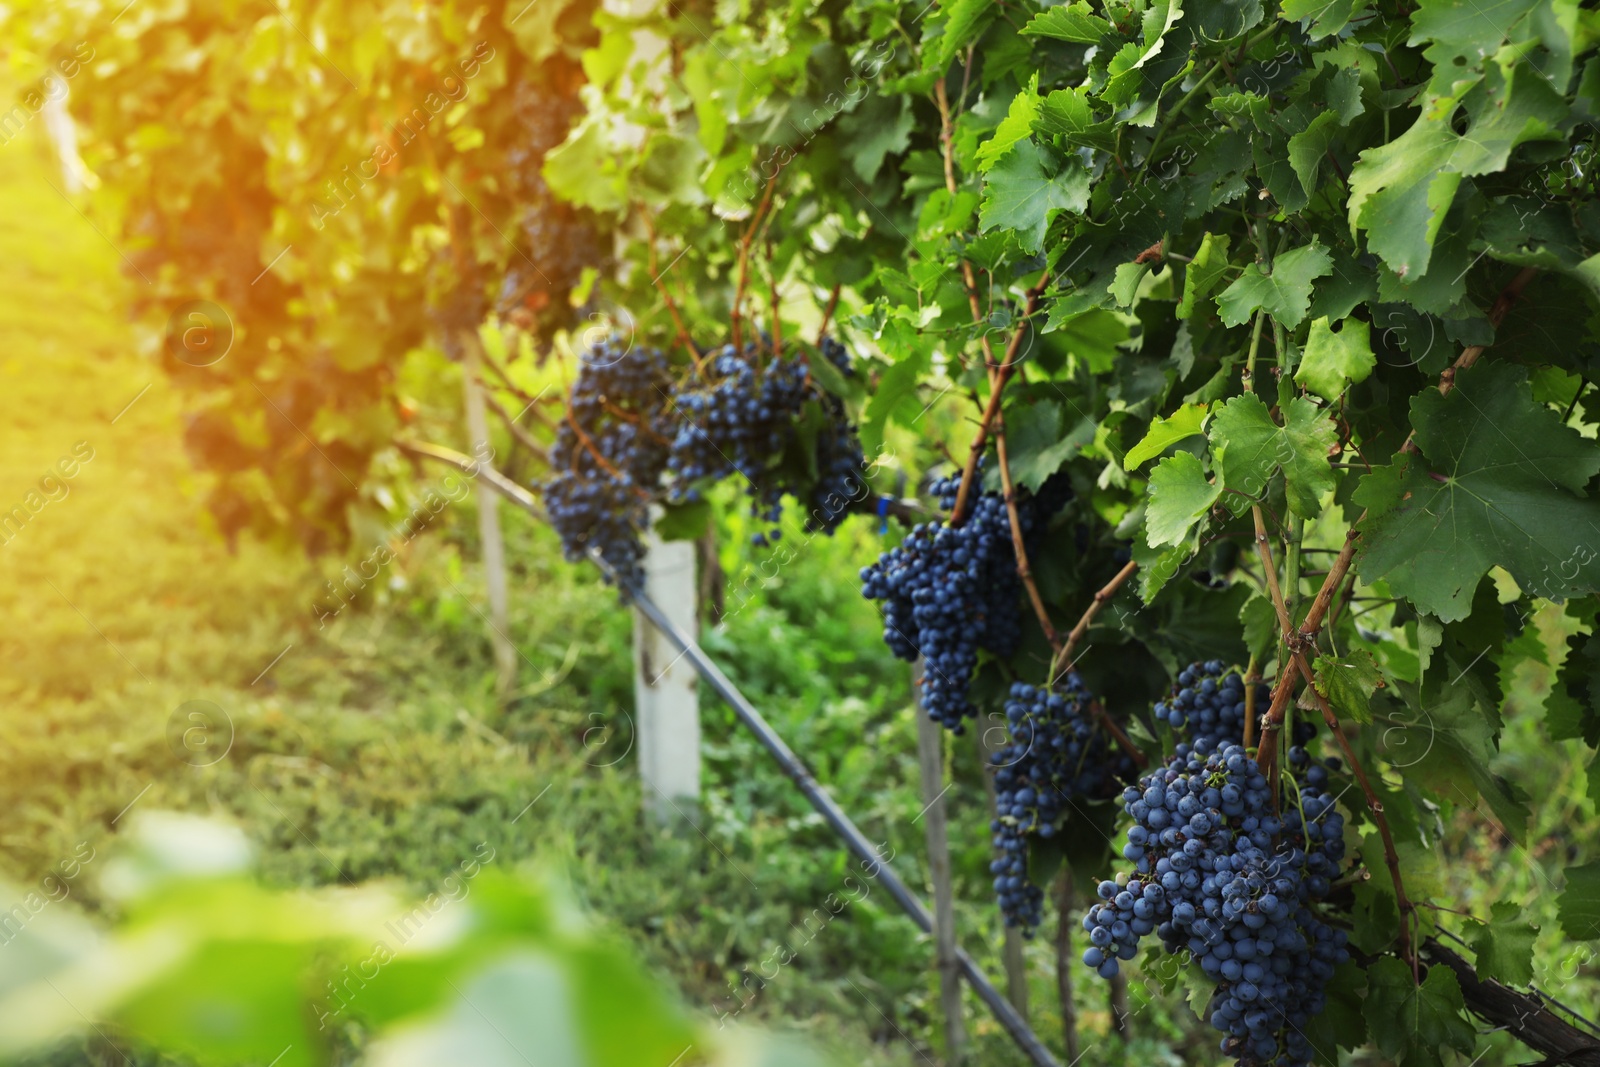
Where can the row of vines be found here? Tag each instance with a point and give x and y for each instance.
(1240, 353)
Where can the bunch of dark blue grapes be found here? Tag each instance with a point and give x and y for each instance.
(743, 418)
(1058, 754)
(609, 454)
(1208, 701)
(1222, 878)
(948, 591)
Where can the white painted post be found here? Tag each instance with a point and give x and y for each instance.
(494, 550)
(665, 687)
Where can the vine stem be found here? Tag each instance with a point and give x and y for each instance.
(1252, 675)
(1249, 375)
(1267, 755)
(1296, 641)
(1391, 858)
(946, 145)
(997, 385)
(1024, 571)
(666, 295)
(1062, 662)
(606, 464)
(744, 256)
(827, 312)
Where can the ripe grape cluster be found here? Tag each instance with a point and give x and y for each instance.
(607, 458)
(556, 240)
(949, 591)
(637, 430)
(1222, 878)
(1058, 753)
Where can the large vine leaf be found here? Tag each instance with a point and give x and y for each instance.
(1400, 191)
(1416, 1022)
(1503, 947)
(1069, 22)
(1285, 294)
(1038, 446)
(1500, 481)
(1164, 431)
(1250, 448)
(1332, 362)
(1021, 194)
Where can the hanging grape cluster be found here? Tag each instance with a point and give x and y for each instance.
(1224, 878)
(607, 457)
(638, 430)
(555, 241)
(949, 591)
(1057, 755)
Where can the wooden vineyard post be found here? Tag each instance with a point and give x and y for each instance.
(665, 686)
(931, 761)
(1011, 953)
(494, 550)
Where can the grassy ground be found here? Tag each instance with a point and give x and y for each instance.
(371, 747)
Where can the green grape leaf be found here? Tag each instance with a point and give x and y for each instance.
(1579, 903)
(1327, 16)
(1261, 630)
(1340, 1024)
(1401, 191)
(1164, 431)
(1307, 148)
(896, 395)
(1124, 287)
(1037, 445)
(1500, 481)
(1019, 194)
(1202, 274)
(1069, 22)
(1179, 496)
(1503, 948)
(1415, 1022)
(879, 128)
(1285, 294)
(964, 21)
(1470, 29)
(1332, 362)
(583, 170)
(1066, 113)
(1348, 682)
(1014, 127)
(1447, 745)
(1250, 448)
(1158, 566)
